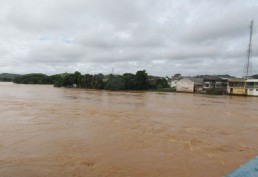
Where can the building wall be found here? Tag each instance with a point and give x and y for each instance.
(252, 87)
(185, 85)
(208, 85)
(198, 89)
(215, 85)
(252, 91)
(236, 90)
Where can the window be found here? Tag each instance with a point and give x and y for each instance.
(206, 84)
(218, 84)
(250, 84)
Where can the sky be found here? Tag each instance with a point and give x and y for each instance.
(164, 37)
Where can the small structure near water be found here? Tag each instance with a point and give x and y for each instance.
(215, 84)
(185, 85)
(236, 87)
(243, 87)
(189, 84)
(252, 87)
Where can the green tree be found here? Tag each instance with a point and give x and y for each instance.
(34, 78)
(77, 79)
(130, 81)
(115, 83)
(97, 81)
(152, 85)
(68, 80)
(141, 80)
(162, 83)
(88, 81)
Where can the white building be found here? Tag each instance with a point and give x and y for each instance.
(252, 87)
(185, 85)
(189, 84)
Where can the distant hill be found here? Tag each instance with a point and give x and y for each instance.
(219, 75)
(7, 77)
(255, 76)
(34, 78)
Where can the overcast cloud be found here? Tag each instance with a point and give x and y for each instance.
(163, 37)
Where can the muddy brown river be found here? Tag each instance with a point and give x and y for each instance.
(58, 132)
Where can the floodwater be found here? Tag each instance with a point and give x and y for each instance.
(53, 132)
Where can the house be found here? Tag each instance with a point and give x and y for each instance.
(185, 85)
(189, 84)
(252, 87)
(243, 87)
(198, 82)
(236, 87)
(215, 84)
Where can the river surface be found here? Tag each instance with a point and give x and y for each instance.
(58, 132)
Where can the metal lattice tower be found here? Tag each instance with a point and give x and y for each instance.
(248, 69)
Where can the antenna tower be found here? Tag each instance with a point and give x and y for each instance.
(249, 65)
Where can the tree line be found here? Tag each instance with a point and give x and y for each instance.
(128, 81)
(6, 77)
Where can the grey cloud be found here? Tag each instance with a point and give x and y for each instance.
(227, 25)
(164, 37)
(55, 52)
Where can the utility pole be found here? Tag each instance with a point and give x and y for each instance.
(248, 66)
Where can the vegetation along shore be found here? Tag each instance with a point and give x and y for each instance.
(209, 84)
